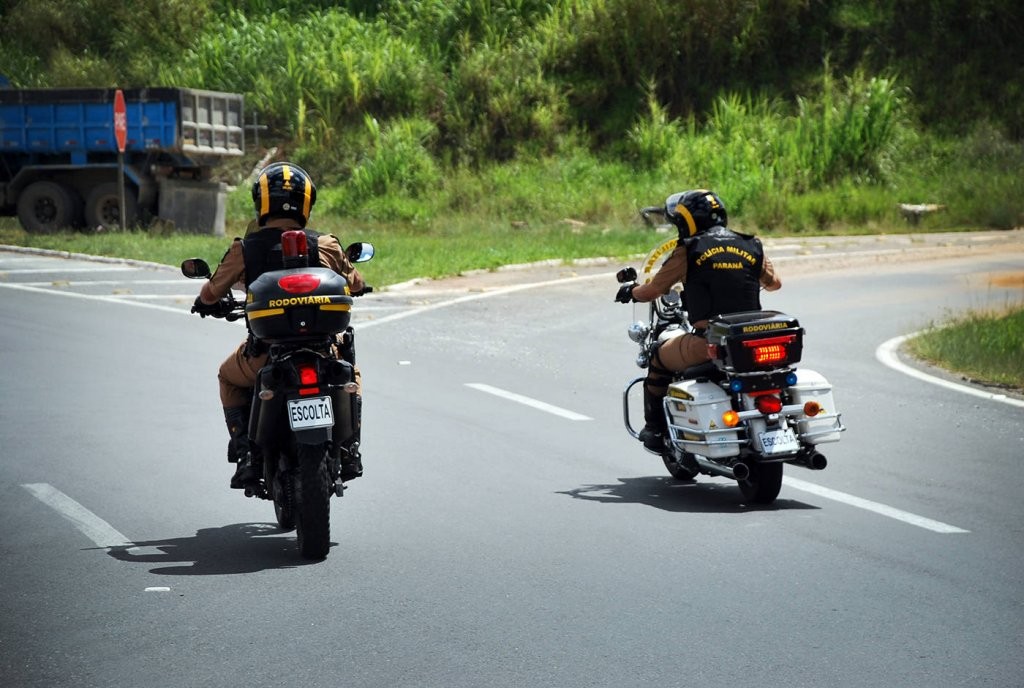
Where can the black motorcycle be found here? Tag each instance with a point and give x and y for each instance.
(304, 420)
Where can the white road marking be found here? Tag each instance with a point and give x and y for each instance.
(159, 588)
(527, 401)
(38, 271)
(108, 299)
(474, 297)
(91, 525)
(102, 283)
(886, 353)
(898, 514)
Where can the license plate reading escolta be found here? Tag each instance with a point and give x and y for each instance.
(315, 412)
(779, 442)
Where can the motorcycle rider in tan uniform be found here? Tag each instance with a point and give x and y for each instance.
(283, 195)
(722, 271)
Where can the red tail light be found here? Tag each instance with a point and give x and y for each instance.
(307, 380)
(768, 403)
(300, 283)
(770, 350)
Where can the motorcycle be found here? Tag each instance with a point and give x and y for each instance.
(747, 411)
(304, 419)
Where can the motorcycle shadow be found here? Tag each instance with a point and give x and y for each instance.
(703, 496)
(232, 549)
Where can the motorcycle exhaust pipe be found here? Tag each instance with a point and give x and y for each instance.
(740, 471)
(813, 460)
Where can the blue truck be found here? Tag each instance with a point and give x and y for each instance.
(59, 157)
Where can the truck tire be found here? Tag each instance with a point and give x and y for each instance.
(103, 207)
(45, 207)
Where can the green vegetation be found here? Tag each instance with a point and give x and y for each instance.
(462, 123)
(987, 347)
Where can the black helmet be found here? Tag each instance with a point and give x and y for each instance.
(695, 211)
(283, 190)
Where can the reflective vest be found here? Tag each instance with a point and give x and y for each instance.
(723, 273)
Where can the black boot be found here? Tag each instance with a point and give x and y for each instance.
(351, 460)
(653, 433)
(237, 420)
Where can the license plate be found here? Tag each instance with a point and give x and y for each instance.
(779, 442)
(315, 412)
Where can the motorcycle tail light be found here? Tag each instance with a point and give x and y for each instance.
(299, 283)
(731, 419)
(771, 349)
(308, 378)
(768, 403)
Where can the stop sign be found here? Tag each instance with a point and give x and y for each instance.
(120, 121)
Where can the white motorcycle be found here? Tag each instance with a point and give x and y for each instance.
(748, 410)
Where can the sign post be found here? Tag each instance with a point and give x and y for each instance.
(121, 134)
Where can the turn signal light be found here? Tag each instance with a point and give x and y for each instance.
(731, 419)
(812, 408)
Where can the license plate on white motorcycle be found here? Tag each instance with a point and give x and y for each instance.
(779, 442)
(315, 412)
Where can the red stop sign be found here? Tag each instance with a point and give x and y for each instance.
(120, 121)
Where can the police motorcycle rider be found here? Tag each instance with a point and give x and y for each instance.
(722, 271)
(283, 195)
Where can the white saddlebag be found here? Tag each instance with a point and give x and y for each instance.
(695, 413)
(812, 386)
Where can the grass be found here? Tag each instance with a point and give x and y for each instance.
(403, 252)
(983, 346)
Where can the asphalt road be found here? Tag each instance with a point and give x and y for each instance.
(507, 532)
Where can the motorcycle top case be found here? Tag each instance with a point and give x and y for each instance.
(298, 303)
(755, 341)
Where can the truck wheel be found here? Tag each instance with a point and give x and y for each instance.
(46, 207)
(103, 207)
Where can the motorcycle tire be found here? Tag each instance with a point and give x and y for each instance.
(284, 501)
(764, 483)
(677, 470)
(313, 497)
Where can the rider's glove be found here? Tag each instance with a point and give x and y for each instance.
(217, 310)
(625, 294)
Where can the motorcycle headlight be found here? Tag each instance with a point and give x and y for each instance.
(638, 331)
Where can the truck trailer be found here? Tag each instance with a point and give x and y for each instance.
(59, 157)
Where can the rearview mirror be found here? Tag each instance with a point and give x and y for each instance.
(626, 275)
(360, 252)
(195, 268)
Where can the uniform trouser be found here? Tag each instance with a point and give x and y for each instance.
(237, 377)
(672, 356)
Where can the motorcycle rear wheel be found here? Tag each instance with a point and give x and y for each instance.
(678, 470)
(313, 495)
(284, 501)
(764, 483)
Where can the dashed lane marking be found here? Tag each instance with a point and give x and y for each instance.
(527, 401)
(92, 526)
(882, 509)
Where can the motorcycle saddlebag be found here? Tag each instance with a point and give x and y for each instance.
(754, 341)
(695, 419)
(295, 303)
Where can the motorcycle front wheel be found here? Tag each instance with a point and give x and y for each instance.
(313, 497)
(764, 483)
